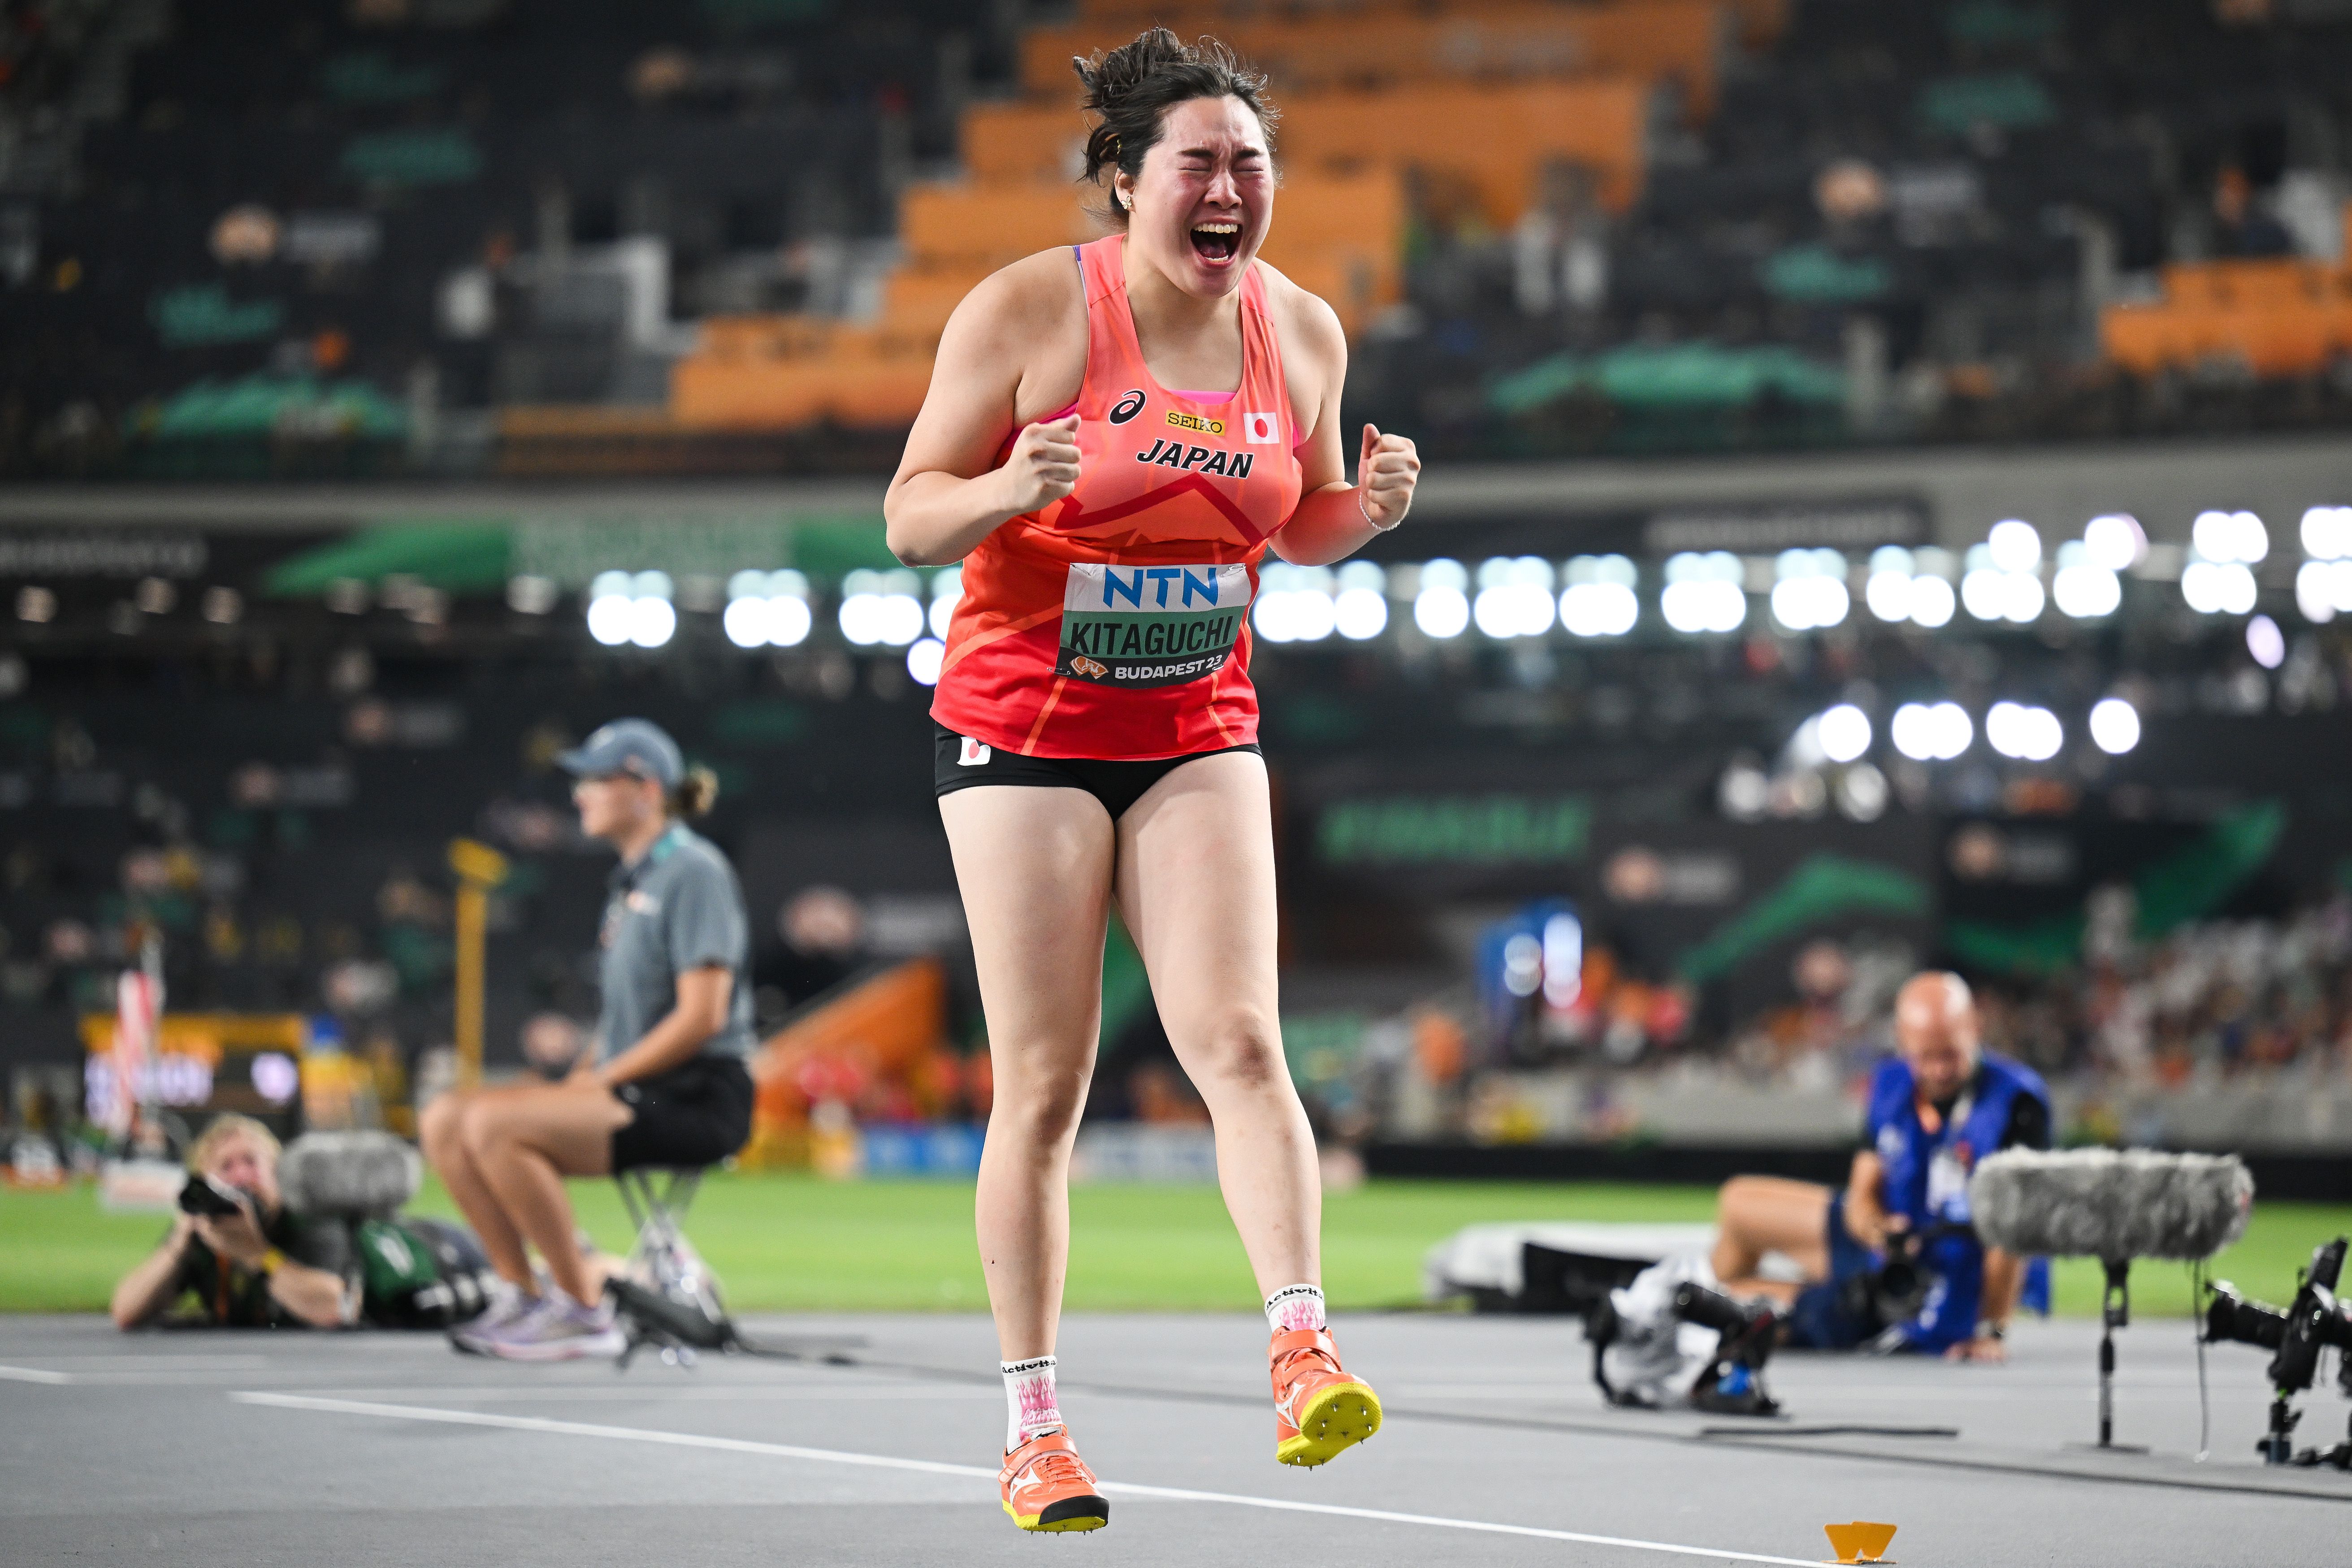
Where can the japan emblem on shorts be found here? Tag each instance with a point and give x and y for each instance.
(970, 753)
(1259, 429)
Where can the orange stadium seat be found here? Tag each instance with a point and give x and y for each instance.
(2284, 317)
(1678, 40)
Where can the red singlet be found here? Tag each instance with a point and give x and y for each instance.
(1115, 623)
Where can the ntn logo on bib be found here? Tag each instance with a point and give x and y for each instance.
(1150, 626)
(1098, 586)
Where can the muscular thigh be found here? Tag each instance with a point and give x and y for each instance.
(1196, 888)
(1034, 867)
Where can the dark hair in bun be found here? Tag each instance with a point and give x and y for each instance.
(1131, 87)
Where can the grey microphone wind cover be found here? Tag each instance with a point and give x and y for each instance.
(349, 1173)
(2111, 1204)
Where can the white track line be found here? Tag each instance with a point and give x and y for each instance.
(34, 1374)
(929, 1466)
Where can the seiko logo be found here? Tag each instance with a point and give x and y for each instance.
(1194, 421)
(1127, 407)
(1198, 459)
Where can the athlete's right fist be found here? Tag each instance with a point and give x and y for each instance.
(1043, 467)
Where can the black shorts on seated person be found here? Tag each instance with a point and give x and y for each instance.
(691, 1116)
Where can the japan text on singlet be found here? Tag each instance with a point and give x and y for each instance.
(1114, 622)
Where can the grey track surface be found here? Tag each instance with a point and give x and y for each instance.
(151, 1447)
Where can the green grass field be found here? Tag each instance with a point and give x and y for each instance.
(793, 1242)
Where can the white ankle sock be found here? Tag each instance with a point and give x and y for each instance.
(1295, 1307)
(1030, 1406)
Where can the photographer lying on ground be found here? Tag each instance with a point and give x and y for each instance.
(1936, 1109)
(248, 1261)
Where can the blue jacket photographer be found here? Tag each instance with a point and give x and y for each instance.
(1892, 1260)
(245, 1260)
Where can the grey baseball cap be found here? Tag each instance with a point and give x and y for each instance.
(636, 746)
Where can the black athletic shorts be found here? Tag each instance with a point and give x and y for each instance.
(1118, 784)
(693, 1115)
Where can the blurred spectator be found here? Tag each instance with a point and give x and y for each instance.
(551, 1044)
(2241, 226)
(823, 932)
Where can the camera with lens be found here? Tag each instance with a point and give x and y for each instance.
(208, 1199)
(2315, 1322)
(1893, 1292)
(1746, 1331)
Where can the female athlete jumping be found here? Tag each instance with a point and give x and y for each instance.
(1096, 726)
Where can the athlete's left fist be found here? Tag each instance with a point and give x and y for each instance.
(1386, 471)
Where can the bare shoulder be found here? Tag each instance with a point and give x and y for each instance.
(1033, 296)
(1305, 320)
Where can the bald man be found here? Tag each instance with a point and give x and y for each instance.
(1937, 1107)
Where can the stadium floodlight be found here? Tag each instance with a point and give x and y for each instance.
(2114, 725)
(2218, 588)
(1845, 732)
(1294, 603)
(1994, 593)
(1931, 731)
(947, 587)
(860, 614)
(881, 607)
(2023, 731)
(2230, 536)
(2328, 532)
(2015, 546)
(2082, 588)
(1441, 609)
(1599, 601)
(2323, 589)
(1514, 597)
(923, 659)
(1888, 590)
(652, 621)
(1932, 601)
(612, 600)
(1809, 592)
(1703, 593)
(1360, 610)
(902, 615)
(745, 620)
(2266, 642)
(2115, 541)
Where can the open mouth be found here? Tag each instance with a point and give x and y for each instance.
(1216, 242)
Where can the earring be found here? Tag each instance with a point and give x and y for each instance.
(1127, 201)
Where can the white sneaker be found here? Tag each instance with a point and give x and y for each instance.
(508, 1306)
(559, 1328)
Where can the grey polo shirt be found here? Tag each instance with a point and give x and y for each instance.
(676, 907)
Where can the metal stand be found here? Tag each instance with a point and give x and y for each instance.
(2277, 1444)
(2115, 1312)
(678, 1310)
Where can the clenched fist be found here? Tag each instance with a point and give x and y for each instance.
(1386, 471)
(1043, 467)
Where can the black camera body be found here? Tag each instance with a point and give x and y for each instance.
(2316, 1321)
(209, 1199)
(1746, 1331)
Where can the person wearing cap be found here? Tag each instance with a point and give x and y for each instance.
(665, 1084)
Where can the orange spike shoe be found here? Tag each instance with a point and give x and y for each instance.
(1046, 1486)
(1319, 1409)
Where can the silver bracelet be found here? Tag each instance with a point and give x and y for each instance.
(1367, 515)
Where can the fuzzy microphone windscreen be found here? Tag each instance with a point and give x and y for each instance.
(2111, 1204)
(349, 1174)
